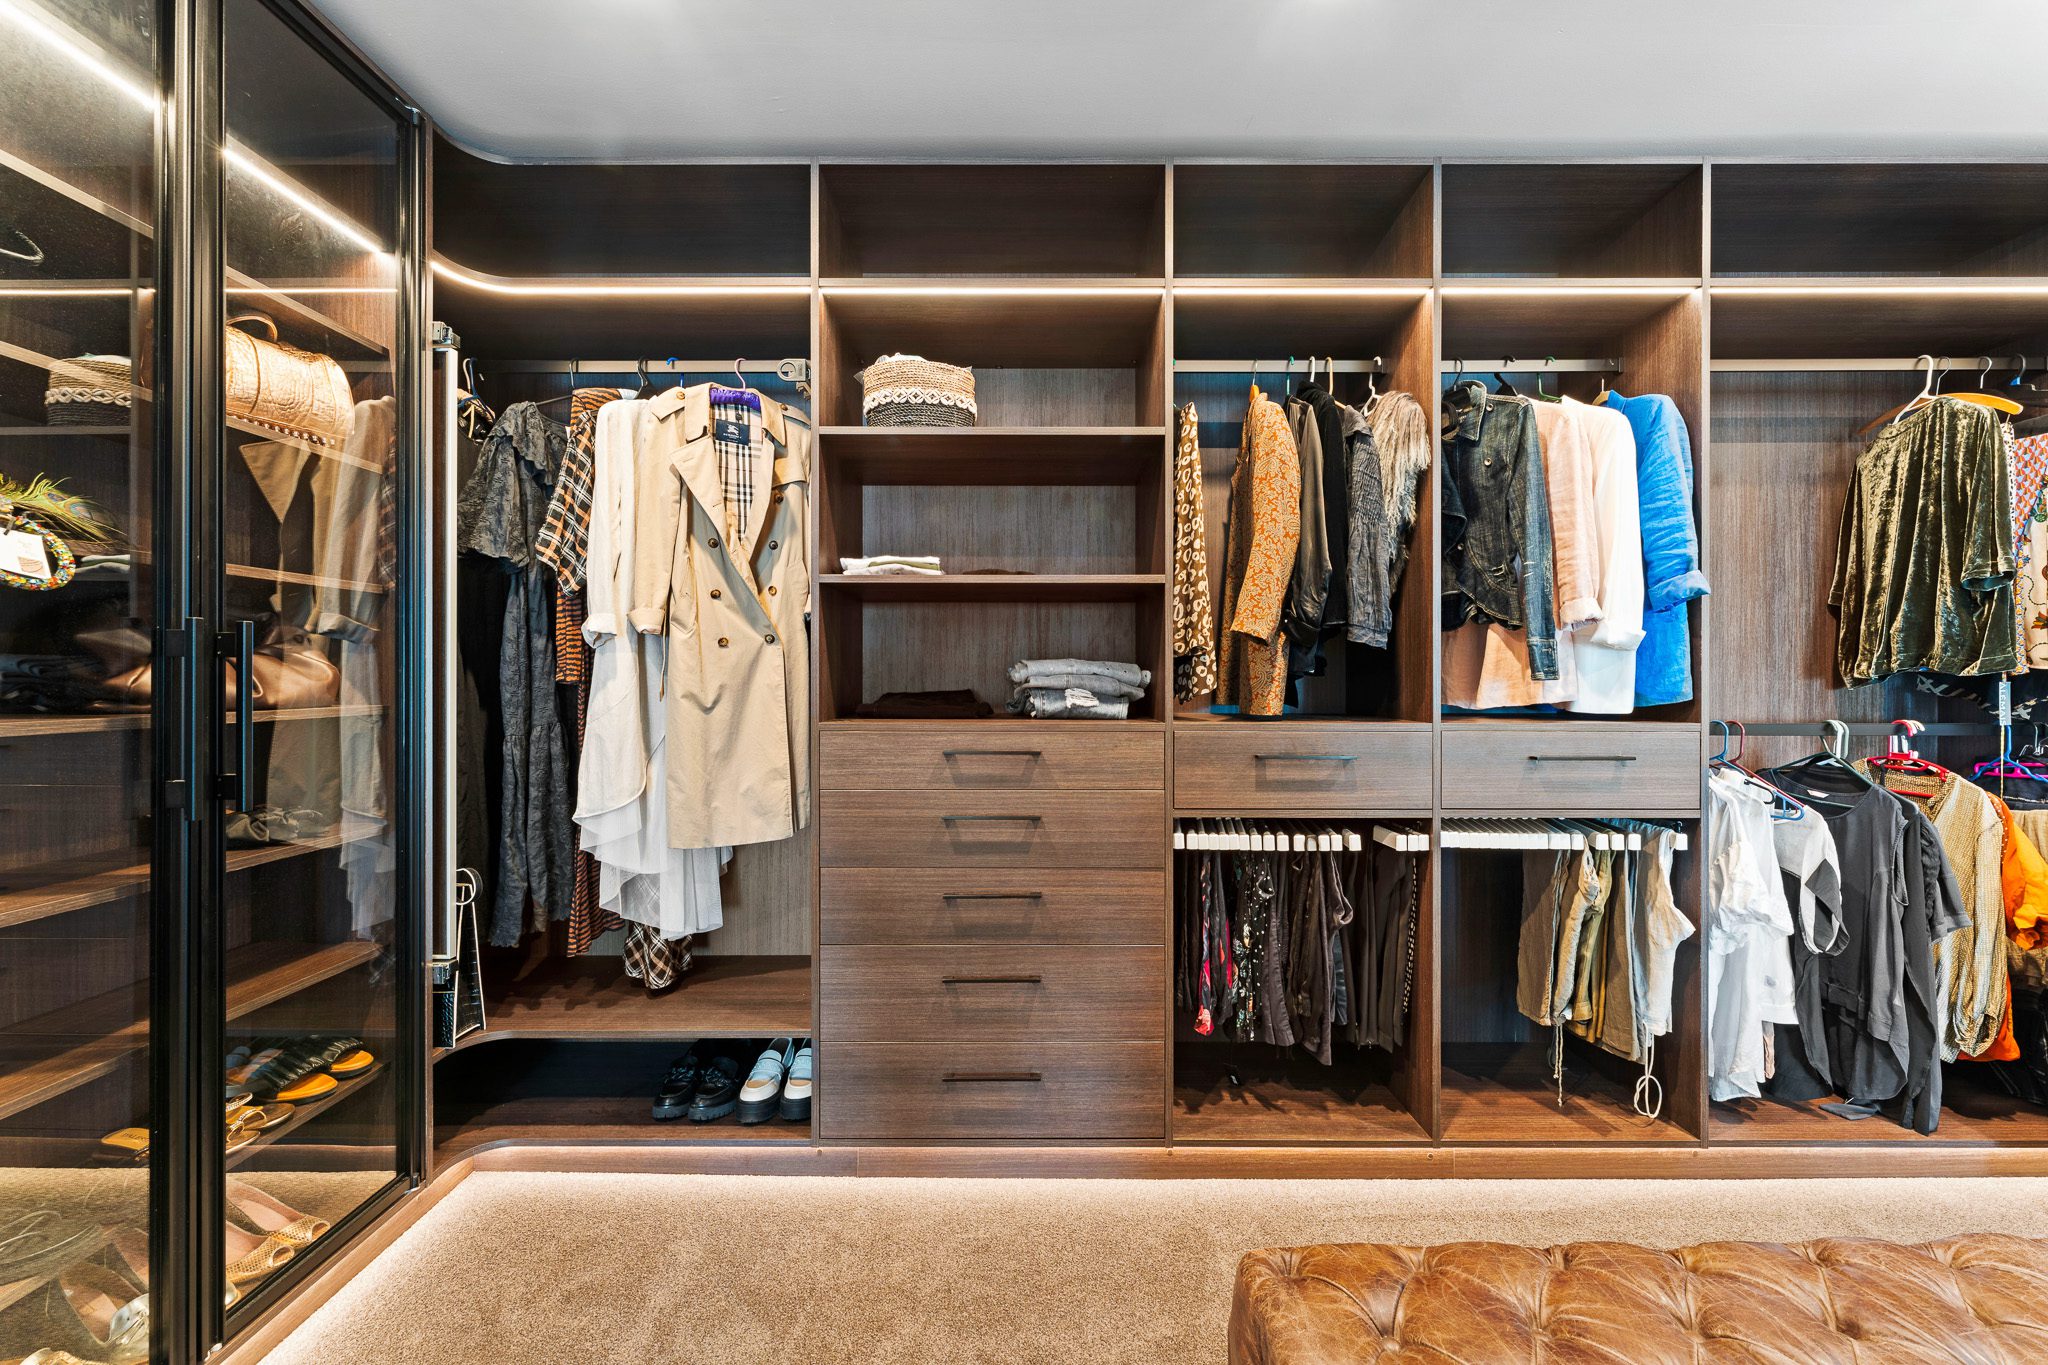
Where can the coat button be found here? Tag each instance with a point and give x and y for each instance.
(769, 638)
(773, 543)
(716, 593)
(771, 590)
(723, 642)
(714, 542)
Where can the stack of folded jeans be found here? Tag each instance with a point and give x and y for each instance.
(890, 566)
(1047, 689)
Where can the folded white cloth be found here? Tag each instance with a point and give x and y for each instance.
(882, 566)
(1027, 669)
(1101, 684)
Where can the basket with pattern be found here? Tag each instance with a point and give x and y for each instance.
(90, 391)
(910, 391)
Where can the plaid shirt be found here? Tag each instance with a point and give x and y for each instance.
(729, 410)
(563, 543)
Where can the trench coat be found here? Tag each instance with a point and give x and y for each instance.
(737, 676)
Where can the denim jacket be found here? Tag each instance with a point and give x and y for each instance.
(1497, 520)
(1671, 547)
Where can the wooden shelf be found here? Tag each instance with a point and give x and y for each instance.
(31, 893)
(1953, 218)
(1787, 318)
(1554, 219)
(27, 726)
(1974, 1113)
(1303, 220)
(988, 456)
(1100, 587)
(1239, 321)
(520, 326)
(274, 299)
(1284, 1098)
(95, 1036)
(303, 1114)
(995, 327)
(49, 431)
(1503, 1094)
(591, 998)
(593, 1121)
(1579, 318)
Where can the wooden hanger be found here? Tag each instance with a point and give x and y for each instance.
(1996, 402)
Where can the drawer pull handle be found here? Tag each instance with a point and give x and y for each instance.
(1306, 758)
(992, 753)
(962, 819)
(992, 896)
(1582, 758)
(989, 1077)
(991, 980)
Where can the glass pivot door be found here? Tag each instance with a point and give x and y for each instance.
(210, 1002)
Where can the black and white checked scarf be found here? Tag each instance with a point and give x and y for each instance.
(735, 468)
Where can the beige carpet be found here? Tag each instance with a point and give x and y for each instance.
(518, 1269)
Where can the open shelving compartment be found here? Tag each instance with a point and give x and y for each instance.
(1049, 517)
(1262, 1094)
(1497, 1084)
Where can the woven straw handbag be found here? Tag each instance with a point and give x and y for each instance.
(89, 391)
(910, 391)
(283, 389)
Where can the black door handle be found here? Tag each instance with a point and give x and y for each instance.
(238, 786)
(992, 896)
(963, 819)
(991, 980)
(1305, 758)
(1582, 758)
(987, 1077)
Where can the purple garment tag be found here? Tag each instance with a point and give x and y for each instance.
(746, 396)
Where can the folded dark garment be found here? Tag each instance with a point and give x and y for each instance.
(961, 704)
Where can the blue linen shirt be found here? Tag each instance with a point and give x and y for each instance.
(1671, 547)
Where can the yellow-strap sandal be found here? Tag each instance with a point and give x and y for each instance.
(354, 1064)
(309, 1088)
(128, 1142)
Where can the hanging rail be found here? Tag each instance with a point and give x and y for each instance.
(1510, 365)
(1292, 365)
(793, 369)
(1955, 364)
(1878, 728)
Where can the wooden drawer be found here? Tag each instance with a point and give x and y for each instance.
(1015, 1089)
(997, 905)
(1288, 766)
(995, 756)
(990, 994)
(942, 829)
(1604, 769)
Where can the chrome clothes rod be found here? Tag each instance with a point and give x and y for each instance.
(794, 369)
(1955, 364)
(1298, 365)
(1875, 728)
(1512, 365)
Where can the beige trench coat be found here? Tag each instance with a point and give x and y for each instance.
(737, 682)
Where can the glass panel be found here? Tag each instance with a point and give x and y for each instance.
(307, 547)
(77, 186)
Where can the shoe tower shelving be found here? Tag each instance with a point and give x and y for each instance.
(1775, 302)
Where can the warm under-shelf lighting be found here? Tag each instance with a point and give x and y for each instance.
(1002, 291)
(1311, 291)
(1852, 289)
(1586, 291)
(68, 292)
(491, 284)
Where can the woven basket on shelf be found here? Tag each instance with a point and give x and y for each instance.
(90, 391)
(910, 391)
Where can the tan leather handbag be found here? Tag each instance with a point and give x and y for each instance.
(290, 669)
(281, 388)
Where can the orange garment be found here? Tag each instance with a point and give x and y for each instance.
(2023, 880)
(1265, 530)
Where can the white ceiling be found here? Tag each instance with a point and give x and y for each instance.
(628, 80)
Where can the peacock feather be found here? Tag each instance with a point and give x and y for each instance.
(65, 514)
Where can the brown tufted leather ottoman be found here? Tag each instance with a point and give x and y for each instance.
(1975, 1300)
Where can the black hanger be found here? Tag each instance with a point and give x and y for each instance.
(1505, 388)
(575, 369)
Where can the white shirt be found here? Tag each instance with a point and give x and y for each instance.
(1606, 651)
(1748, 939)
(1662, 926)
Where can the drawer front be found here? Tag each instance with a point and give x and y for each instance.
(1619, 770)
(995, 905)
(995, 756)
(945, 830)
(927, 1091)
(991, 994)
(1282, 766)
